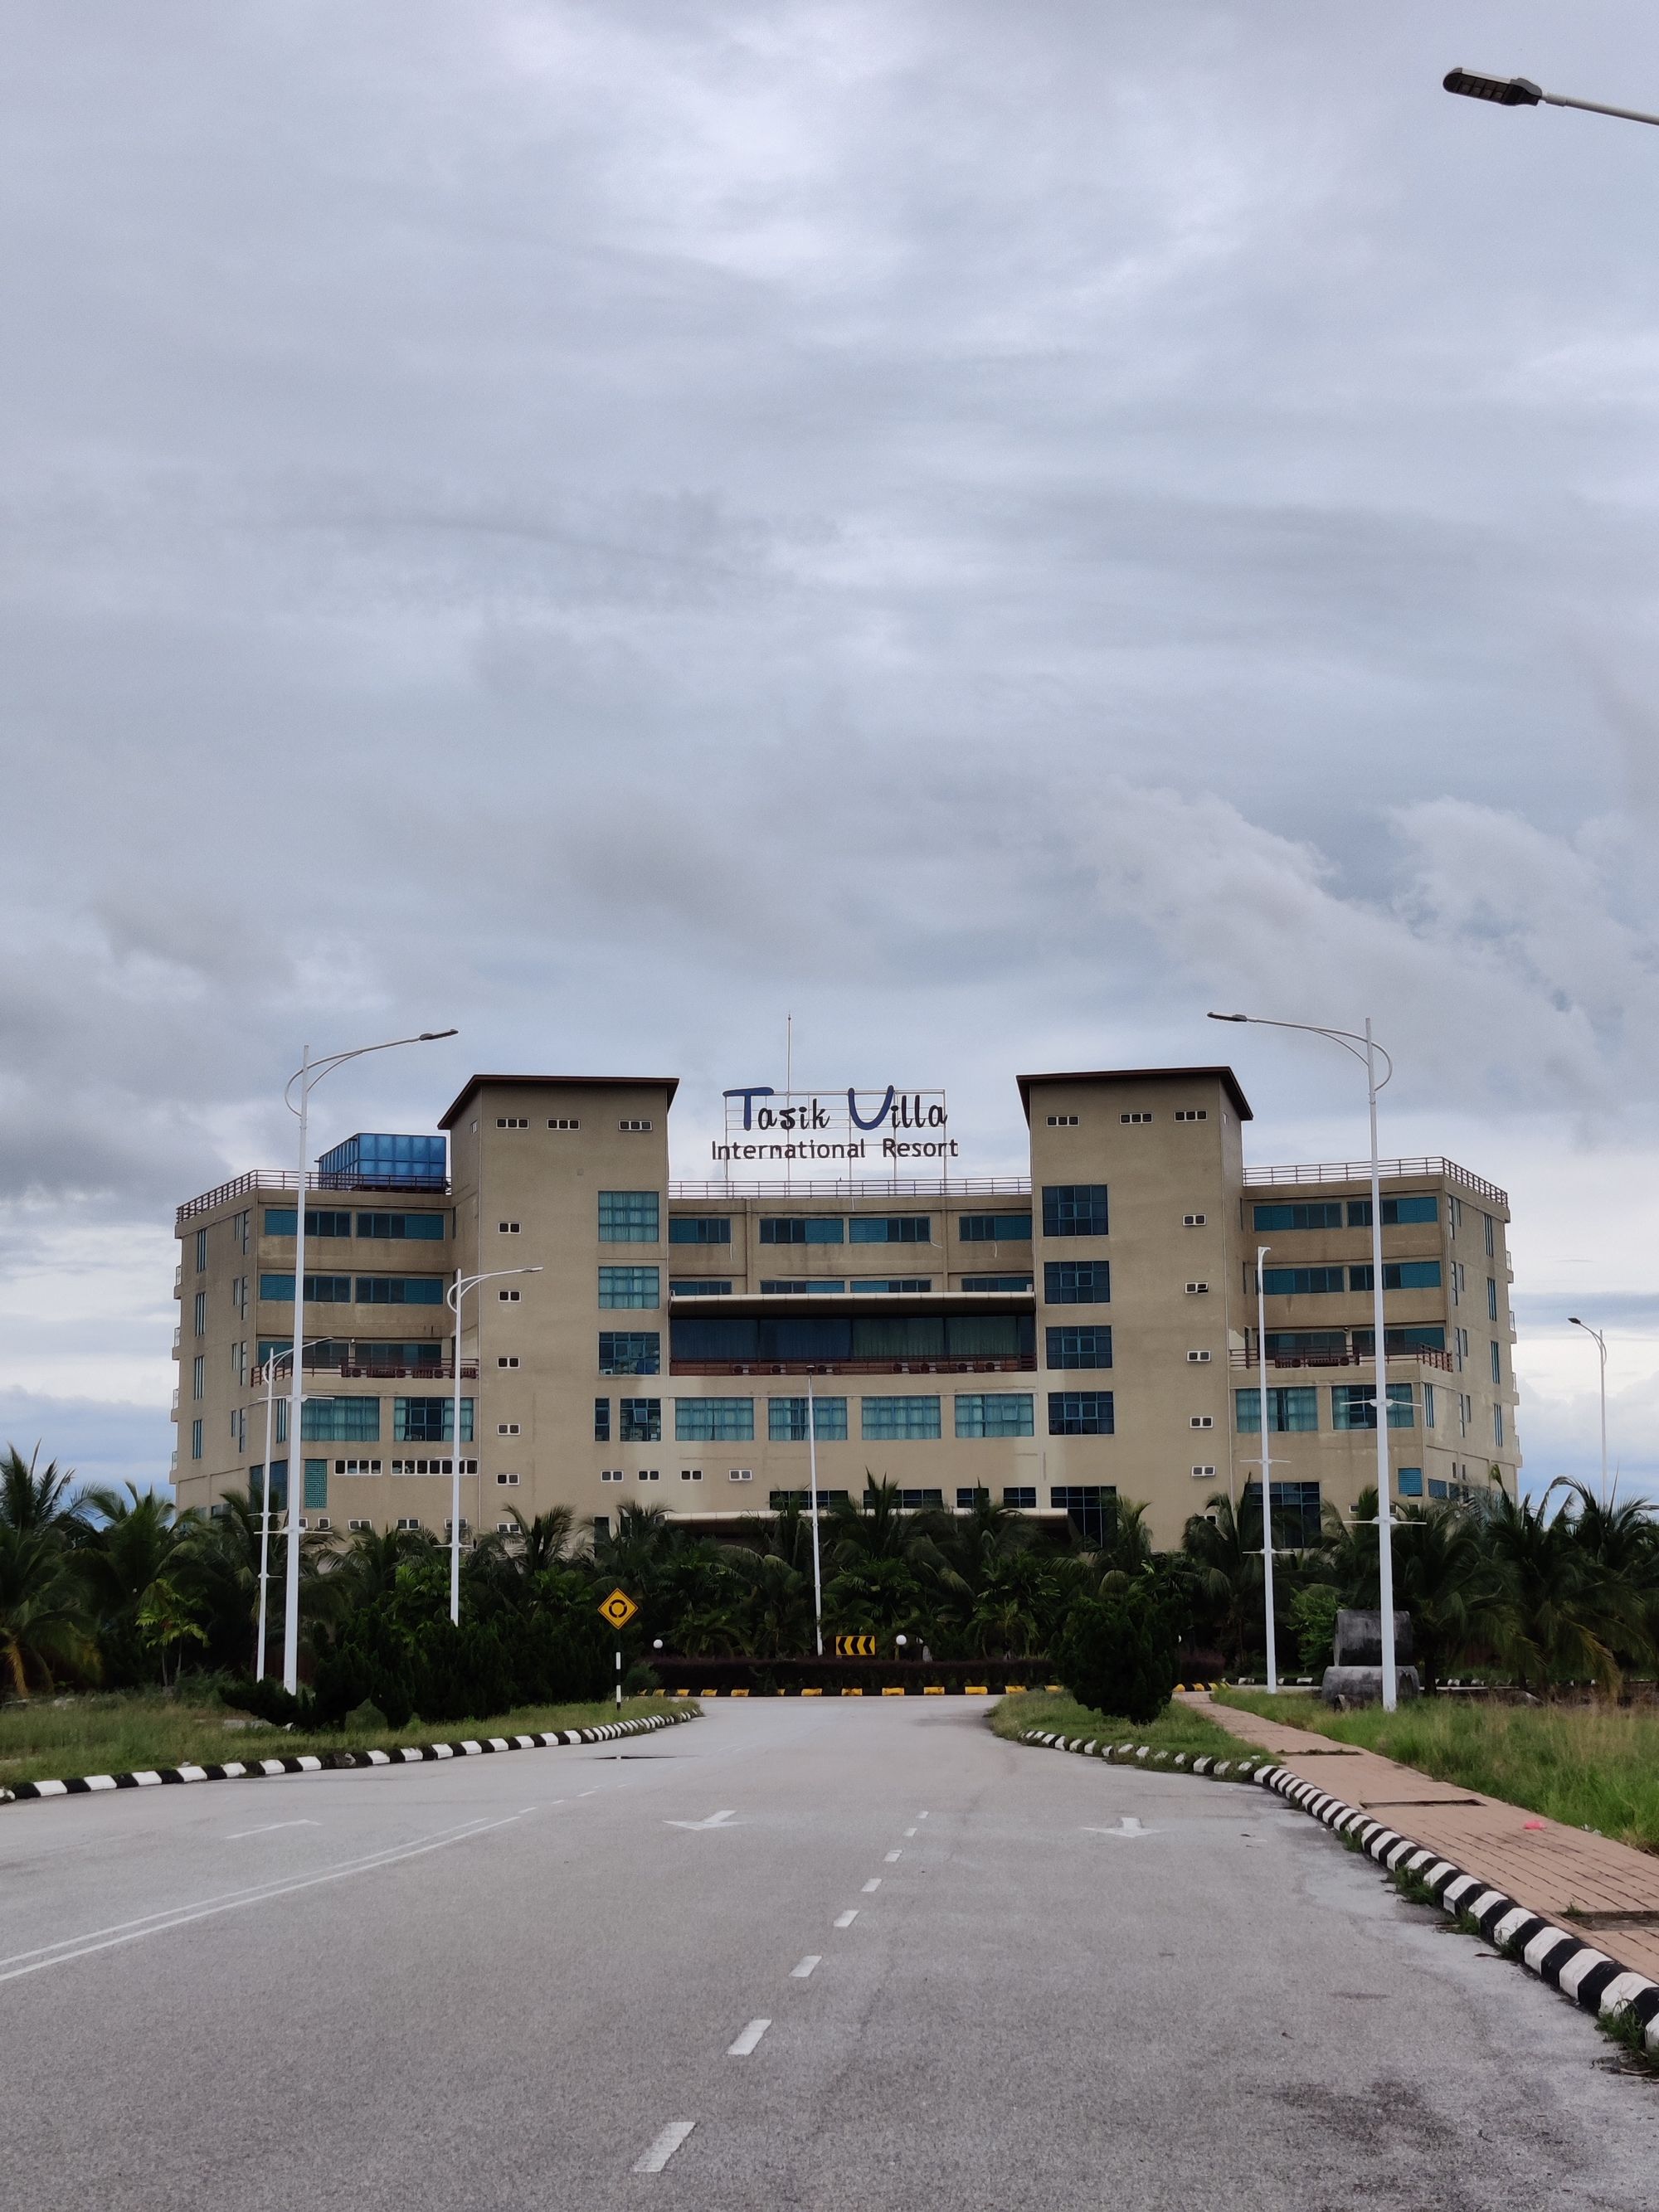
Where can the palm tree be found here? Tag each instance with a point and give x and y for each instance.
(1550, 1618)
(45, 1620)
(1445, 1580)
(35, 1496)
(1224, 1549)
(883, 1528)
(129, 1556)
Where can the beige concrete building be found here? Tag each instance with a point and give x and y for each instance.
(1088, 1328)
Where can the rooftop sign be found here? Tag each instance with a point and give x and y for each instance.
(889, 1125)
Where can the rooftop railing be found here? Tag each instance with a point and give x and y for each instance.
(1015, 1363)
(871, 1186)
(1247, 1363)
(286, 1179)
(1390, 1171)
(439, 1370)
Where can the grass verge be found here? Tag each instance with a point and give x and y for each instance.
(1590, 1766)
(1176, 1729)
(124, 1733)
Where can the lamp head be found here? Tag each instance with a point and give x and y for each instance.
(431, 1037)
(1501, 91)
(1226, 1018)
(1574, 1319)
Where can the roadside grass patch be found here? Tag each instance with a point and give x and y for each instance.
(126, 1732)
(1177, 1727)
(1593, 1766)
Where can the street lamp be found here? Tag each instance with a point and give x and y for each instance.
(1261, 1252)
(265, 1516)
(1602, 1347)
(453, 1297)
(813, 1478)
(1521, 92)
(1364, 1047)
(307, 1077)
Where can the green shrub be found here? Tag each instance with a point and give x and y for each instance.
(1313, 1616)
(1118, 1654)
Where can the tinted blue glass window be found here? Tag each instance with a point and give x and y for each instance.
(1079, 1347)
(640, 1420)
(1398, 1275)
(1302, 1282)
(631, 1351)
(993, 1413)
(1418, 1207)
(1296, 1512)
(1077, 1282)
(714, 1420)
(602, 1420)
(627, 1217)
(1409, 1482)
(316, 1485)
(430, 1420)
(1319, 1215)
(895, 1420)
(802, 1229)
(341, 1420)
(420, 1228)
(699, 1229)
(321, 1221)
(1293, 1411)
(994, 1228)
(1022, 1496)
(1074, 1209)
(785, 1419)
(631, 1287)
(1080, 1413)
(1085, 1506)
(996, 1282)
(400, 1290)
(1353, 1406)
(699, 1286)
(894, 1229)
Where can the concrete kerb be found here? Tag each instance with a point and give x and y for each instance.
(1595, 1982)
(410, 1754)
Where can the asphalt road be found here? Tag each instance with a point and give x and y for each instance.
(501, 1983)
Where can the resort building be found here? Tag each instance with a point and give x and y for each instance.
(1051, 1339)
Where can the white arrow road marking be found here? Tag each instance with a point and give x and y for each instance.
(746, 2041)
(654, 2159)
(715, 1820)
(270, 1829)
(1128, 1826)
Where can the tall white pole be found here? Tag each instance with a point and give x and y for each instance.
(264, 1520)
(812, 1479)
(1601, 1348)
(456, 1295)
(1261, 1252)
(296, 1401)
(1384, 1507)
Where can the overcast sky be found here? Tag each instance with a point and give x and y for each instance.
(992, 528)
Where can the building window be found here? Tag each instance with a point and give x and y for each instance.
(1353, 1406)
(640, 1420)
(196, 1439)
(690, 1474)
(630, 1286)
(699, 1229)
(1074, 1209)
(1319, 1214)
(995, 1413)
(1193, 1221)
(509, 1297)
(802, 1229)
(698, 1286)
(201, 1258)
(1198, 1290)
(786, 1420)
(1409, 1482)
(613, 1474)
(1085, 1503)
(399, 1290)
(1301, 1282)
(631, 1351)
(1409, 1337)
(427, 1420)
(1498, 1424)
(1077, 1282)
(996, 1282)
(802, 1286)
(1062, 1120)
(1022, 1496)
(562, 1122)
(602, 1420)
(633, 1129)
(198, 1376)
(341, 1420)
(199, 1308)
(1192, 1114)
(994, 1228)
(1080, 1413)
(1492, 1297)
(1420, 1206)
(968, 1499)
(1136, 1117)
(1290, 1412)
(512, 1121)
(1428, 1405)
(508, 1359)
(1490, 1233)
(1203, 1475)
(416, 1228)
(1201, 1421)
(1497, 1365)
(1198, 1359)
(714, 1420)
(316, 1483)
(629, 1216)
(1079, 1347)
(508, 1228)
(321, 1221)
(1296, 1511)
(890, 1229)
(895, 1285)
(1398, 1275)
(898, 1419)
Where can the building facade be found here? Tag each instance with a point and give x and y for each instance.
(1051, 1339)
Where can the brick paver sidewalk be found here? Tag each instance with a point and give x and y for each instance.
(1605, 1891)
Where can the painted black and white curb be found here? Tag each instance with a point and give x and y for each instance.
(409, 1754)
(1593, 1980)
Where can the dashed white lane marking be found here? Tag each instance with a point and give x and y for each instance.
(746, 2041)
(846, 1919)
(801, 1972)
(874, 1883)
(921, 1816)
(715, 1820)
(270, 1829)
(893, 1856)
(654, 2159)
(909, 1832)
(68, 1947)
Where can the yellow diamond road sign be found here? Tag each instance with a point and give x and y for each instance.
(619, 1608)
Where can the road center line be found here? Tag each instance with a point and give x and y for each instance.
(158, 1923)
(846, 1919)
(874, 1883)
(654, 2159)
(893, 1856)
(909, 1832)
(746, 2041)
(803, 1971)
(270, 1827)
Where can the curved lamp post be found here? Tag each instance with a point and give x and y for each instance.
(1365, 1049)
(296, 1096)
(1602, 1347)
(453, 1297)
(265, 1516)
(1521, 92)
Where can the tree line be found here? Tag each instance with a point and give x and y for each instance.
(118, 1589)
